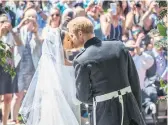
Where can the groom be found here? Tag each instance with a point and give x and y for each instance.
(105, 77)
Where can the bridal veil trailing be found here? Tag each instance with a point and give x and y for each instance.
(51, 93)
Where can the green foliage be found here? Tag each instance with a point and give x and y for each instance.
(162, 43)
(164, 11)
(5, 55)
(161, 26)
(164, 86)
(162, 3)
(162, 29)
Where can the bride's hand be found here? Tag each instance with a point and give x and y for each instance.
(67, 62)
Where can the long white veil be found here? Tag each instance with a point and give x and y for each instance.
(45, 102)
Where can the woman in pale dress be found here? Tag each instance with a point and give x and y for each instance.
(50, 95)
(26, 58)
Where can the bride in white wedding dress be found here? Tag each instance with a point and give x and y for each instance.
(50, 97)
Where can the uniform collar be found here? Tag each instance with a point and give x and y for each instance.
(92, 41)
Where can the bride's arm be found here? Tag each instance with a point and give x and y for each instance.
(66, 61)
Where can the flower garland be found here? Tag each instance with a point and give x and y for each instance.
(6, 59)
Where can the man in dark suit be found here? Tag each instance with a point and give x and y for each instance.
(105, 77)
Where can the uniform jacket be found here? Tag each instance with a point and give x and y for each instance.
(104, 67)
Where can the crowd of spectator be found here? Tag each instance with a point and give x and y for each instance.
(135, 23)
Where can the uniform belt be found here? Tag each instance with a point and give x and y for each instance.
(109, 96)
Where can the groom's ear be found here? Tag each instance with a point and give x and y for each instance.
(80, 33)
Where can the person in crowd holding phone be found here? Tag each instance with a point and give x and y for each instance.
(26, 57)
(135, 15)
(151, 17)
(93, 13)
(111, 23)
(142, 60)
(7, 86)
(20, 11)
(67, 15)
(147, 19)
(41, 16)
(11, 15)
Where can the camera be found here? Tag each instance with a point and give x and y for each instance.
(70, 14)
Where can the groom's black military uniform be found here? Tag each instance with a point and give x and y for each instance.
(107, 78)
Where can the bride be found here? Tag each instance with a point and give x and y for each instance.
(50, 99)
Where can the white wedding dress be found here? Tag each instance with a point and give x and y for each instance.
(50, 99)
